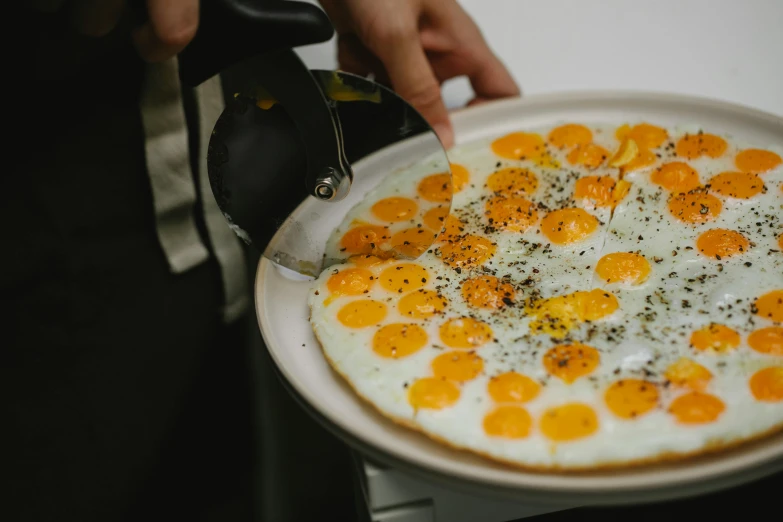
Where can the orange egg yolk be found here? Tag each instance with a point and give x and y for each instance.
(770, 306)
(757, 160)
(412, 242)
(365, 260)
(465, 332)
(687, 373)
(645, 135)
(399, 340)
(568, 225)
(508, 422)
(623, 267)
(694, 146)
(422, 304)
(513, 182)
(630, 398)
(676, 177)
(719, 243)
(435, 218)
(696, 408)
(740, 185)
(515, 214)
(715, 337)
(598, 190)
(403, 278)
(432, 393)
(513, 387)
(350, 281)
(437, 188)
(767, 340)
(569, 422)
(643, 159)
(460, 176)
(589, 155)
(395, 209)
(570, 135)
(695, 207)
(467, 251)
(360, 314)
(767, 384)
(568, 362)
(556, 315)
(457, 366)
(365, 239)
(487, 292)
(519, 146)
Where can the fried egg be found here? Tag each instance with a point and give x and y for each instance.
(597, 296)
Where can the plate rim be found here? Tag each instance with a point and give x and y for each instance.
(579, 484)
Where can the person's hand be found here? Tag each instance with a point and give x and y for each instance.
(414, 46)
(170, 26)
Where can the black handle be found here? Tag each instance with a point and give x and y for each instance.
(231, 31)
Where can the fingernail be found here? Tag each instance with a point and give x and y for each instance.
(445, 134)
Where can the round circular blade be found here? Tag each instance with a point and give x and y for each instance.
(257, 164)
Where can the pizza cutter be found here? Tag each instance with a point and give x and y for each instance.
(288, 133)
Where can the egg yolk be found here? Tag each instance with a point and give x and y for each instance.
(399, 340)
(719, 243)
(487, 292)
(694, 146)
(623, 267)
(437, 188)
(676, 177)
(513, 182)
(515, 214)
(571, 361)
(395, 209)
(435, 218)
(422, 304)
(457, 366)
(432, 393)
(646, 135)
(696, 408)
(556, 315)
(715, 337)
(688, 374)
(570, 135)
(467, 251)
(403, 278)
(757, 160)
(508, 422)
(597, 189)
(459, 176)
(695, 207)
(351, 281)
(412, 242)
(465, 332)
(780, 239)
(513, 387)
(767, 384)
(568, 225)
(365, 239)
(767, 340)
(569, 422)
(643, 159)
(589, 155)
(365, 260)
(360, 314)
(740, 185)
(519, 146)
(770, 306)
(630, 398)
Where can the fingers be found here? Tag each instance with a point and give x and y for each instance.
(490, 79)
(412, 78)
(172, 25)
(95, 18)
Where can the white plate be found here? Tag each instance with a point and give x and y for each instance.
(281, 304)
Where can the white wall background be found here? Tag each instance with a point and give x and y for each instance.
(726, 49)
